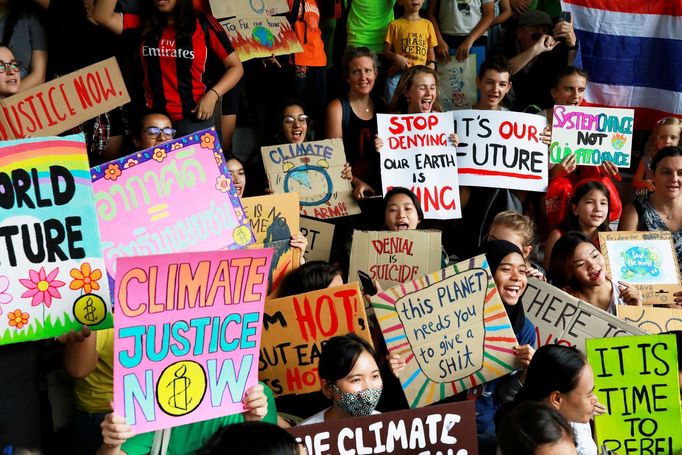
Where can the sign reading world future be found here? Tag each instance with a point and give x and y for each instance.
(51, 267)
(177, 196)
(592, 134)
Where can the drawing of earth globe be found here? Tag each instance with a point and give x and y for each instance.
(638, 261)
(263, 36)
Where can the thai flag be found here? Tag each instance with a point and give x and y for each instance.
(632, 51)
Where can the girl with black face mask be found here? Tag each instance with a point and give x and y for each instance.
(350, 379)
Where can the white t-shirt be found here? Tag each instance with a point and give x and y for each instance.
(585, 444)
(319, 417)
(460, 17)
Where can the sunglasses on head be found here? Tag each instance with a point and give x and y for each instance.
(6, 66)
(155, 131)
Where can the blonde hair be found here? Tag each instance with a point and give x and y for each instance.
(665, 121)
(398, 103)
(518, 223)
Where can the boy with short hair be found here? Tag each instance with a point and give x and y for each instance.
(493, 84)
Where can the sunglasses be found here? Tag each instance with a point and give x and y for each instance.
(155, 131)
(290, 119)
(6, 66)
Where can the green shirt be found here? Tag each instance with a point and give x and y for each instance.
(187, 439)
(368, 22)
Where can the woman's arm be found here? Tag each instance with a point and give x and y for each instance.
(38, 70)
(80, 352)
(233, 73)
(549, 246)
(629, 220)
(442, 50)
(105, 16)
(505, 13)
(334, 120)
(483, 25)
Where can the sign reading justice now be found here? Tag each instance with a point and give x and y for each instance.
(187, 335)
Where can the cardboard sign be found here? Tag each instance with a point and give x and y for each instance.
(560, 318)
(445, 429)
(450, 327)
(274, 219)
(395, 257)
(320, 236)
(187, 335)
(52, 276)
(313, 169)
(457, 83)
(296, 327)
(177, 196)
(417, 154)
(261, 36)
(644, 259)
(651, 320)
(63, 103)
(592, 134)
(227, 8)
(501, 150)
(637, 379)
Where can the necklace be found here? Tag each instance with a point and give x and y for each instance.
(355, 105)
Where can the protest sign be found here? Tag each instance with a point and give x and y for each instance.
(62, 103)
(637, 379)
(646, 260)
(274, 219)
(457, 83)
(296, 327)
(51, 267)
(651, 320)
(592, 134)
(320, 236)
(560, 318)
(435, 430)
(227, 8)
(451, 329)
(417, 154)
(313, 169)
(261, 36)
(187, 334)
(500, 149)
(394, 257)
(176, 196)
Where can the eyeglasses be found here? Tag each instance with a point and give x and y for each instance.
(290, 119)
(13, 65)
(155, 131)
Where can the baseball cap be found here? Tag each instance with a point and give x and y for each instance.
(533, 18)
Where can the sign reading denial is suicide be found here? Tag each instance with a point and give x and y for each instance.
(187, 335)
(417, 154)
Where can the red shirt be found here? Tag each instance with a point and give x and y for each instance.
(178, 71)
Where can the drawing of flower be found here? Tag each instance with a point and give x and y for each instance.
(5, 298)
(130, 163)
(42, 288)
(177, 145)
(207, 141)
(85, 278)
(222, 184)
(159, 154)
(112, 172)
(17, 319)
(218, 158)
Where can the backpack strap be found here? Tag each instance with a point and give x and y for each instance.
(346, 110)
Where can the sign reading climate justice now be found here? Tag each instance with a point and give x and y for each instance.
(451, 329)
(501, 150)
(187, 335)
(65, 102)
(637, 379)
(296, 327)
(433, 430)
(592, 134)
(417, 154)
(560, 318)
(176, 196)
(52, 277)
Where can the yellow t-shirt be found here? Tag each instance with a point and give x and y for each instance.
(411, 39)
(94, 393)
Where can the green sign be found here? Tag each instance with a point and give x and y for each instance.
(637, 379)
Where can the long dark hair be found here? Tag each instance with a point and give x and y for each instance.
(529, 426)
(554, 368)
(155, 22)
(250, 438)
(311, 276)
(401, 190)
(561, 262)
(571, 222)
(665, 152)
(339, 355)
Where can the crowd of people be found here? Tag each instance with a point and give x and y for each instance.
(359, 59)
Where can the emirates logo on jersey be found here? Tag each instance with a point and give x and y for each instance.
(167, 48)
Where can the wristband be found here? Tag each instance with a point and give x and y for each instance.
(214, 91)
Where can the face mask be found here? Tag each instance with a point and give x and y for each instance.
(358, 404)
